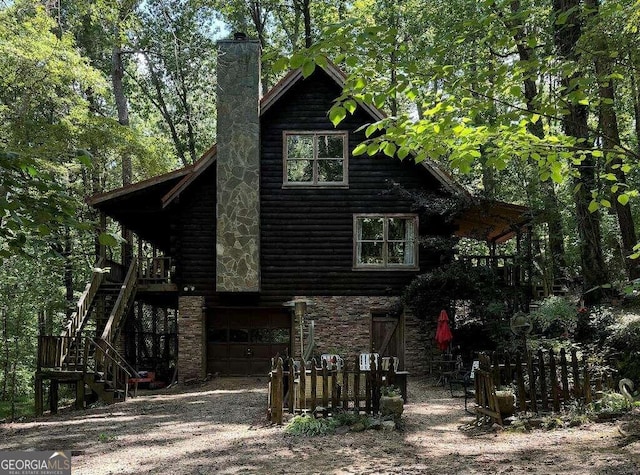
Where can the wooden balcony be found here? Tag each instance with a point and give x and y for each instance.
(155, 275)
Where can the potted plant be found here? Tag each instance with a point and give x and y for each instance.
(391, 402)
(506, 401)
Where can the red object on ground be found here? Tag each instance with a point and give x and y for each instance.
(443, 333)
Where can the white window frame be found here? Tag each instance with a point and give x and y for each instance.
(315, 183)
(385, 265)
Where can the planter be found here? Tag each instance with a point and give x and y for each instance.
(506, 403)
(391, 406)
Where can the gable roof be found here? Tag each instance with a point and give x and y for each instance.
(191, 172)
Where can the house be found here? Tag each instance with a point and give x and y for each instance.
(279, 210)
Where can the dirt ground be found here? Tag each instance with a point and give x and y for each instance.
(220, 427)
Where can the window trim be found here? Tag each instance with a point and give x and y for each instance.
(385, 266)
(315, 184)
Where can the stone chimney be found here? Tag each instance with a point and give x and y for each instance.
(238, 166)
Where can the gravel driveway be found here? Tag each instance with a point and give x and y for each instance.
(220, 427)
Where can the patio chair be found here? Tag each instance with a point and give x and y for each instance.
(365, 361)
(332, 360)
(464, 379)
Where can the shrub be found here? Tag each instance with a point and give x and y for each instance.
(309, 426)
(556, 316)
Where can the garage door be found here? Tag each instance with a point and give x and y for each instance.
(243, 341)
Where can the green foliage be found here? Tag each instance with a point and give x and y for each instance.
(611, 403)
(309, 426)
(624, 344)
(554, 317)
(348, 418)
(390, 391)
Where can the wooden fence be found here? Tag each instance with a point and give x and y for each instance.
(320, 390)
(543, 381)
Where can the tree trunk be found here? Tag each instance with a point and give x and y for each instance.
(610, 139)
(68, 272)
(552, 214)
(575, 125)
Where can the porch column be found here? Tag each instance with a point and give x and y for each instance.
(192, 352)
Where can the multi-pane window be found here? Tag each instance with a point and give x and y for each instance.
(315, 158)
(385, 241)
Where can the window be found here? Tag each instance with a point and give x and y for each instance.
(385, 241)
(315, 158)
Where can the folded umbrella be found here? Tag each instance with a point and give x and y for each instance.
(443, 332)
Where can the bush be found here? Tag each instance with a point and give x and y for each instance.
(624, 344)
(310, 426)
(555, 317)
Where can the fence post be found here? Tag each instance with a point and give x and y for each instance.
(325, 385)
(345, 386)
(522, 397)
(303, 386)
(553, 375)
(532, 383)
(376, 383)
(314, 386)
(543, 381)
(356, 386)
(565, 375)
(277, 389)
(587, 381)
(291, 386)
(576, 374)
(334, 388)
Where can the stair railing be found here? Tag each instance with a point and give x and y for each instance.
(107, 363)
(122, 303)
(79, 316)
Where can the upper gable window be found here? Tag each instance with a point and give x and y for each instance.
(386, 241)
(315, 158)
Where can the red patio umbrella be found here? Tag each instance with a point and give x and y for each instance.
(443, 333)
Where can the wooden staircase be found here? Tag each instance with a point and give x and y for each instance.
(93, 364)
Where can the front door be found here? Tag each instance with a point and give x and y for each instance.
(387, 335)
(242, 341)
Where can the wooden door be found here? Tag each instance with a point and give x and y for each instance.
(387, 335)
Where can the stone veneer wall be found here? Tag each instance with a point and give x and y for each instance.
(191, 338)
(238, 167)
(343, 324)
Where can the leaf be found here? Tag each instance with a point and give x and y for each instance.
(623, 199)
(370, 130)
(106, 239)
(390, 149)
(350, 105)
(297, 60)
(535, 118)
(308, 67)
(281, 64)
(360, 149)
(402, 153)
(606, 203)
(593, 206)
(337, 114)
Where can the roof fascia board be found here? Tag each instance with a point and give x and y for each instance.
(198, 168)
(141, 185)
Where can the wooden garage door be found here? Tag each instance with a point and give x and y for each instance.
(243, 341)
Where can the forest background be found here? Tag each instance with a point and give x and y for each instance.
(536, 103)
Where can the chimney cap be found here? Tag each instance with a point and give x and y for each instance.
(239, 35)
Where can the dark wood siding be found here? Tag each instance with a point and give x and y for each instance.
(307, 234)
(196, 235)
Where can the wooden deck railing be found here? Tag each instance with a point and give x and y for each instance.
(543, 381)
(122, 303)
(155, 270)
(58, 352)
(79, 316)
(107, 363)
(324, 390)
(507, 267)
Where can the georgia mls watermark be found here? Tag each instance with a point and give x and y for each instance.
(35, 463)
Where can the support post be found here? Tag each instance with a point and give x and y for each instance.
(53, 396)
(39, 396)
(80, 393)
